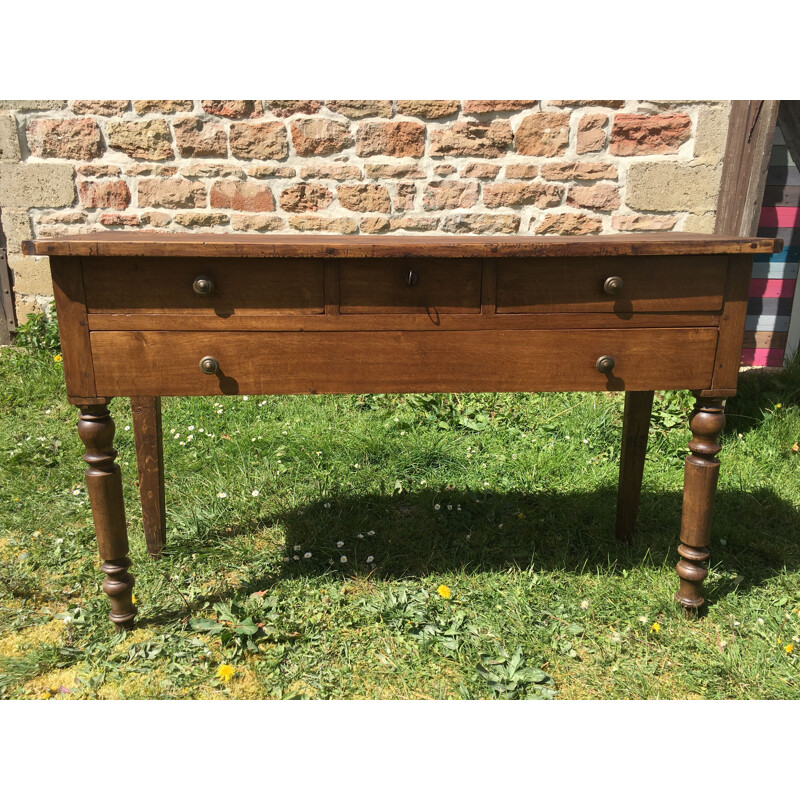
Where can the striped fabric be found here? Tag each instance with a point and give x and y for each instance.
(775, 276)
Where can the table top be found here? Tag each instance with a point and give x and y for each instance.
(148, 243)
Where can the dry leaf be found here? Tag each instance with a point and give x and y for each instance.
(795, 447)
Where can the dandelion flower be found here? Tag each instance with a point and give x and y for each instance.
(254, 493)
(789, 648)
(370, 559)
(777, 405)
(340, 544)
(343, 559)
(444, 591)
(221, 494)
(57, 358)
(133, 599)
(225, 672)
(655, 627)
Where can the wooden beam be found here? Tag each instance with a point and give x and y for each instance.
(744, 168)
(6, 300)
(789, 122)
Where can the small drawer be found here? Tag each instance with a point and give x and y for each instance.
(410, 286)
(222, 287)
(611, 285)
(130, 363)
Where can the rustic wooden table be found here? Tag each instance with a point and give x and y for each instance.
(147, 315)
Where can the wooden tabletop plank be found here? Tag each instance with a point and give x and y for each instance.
(147, 243)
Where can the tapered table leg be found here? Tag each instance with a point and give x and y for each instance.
(150, 460)
(104, 483)
(635, 429)
(699, 487)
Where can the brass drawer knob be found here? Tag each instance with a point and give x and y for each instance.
(411, 278)
(605, 364)
(209, 365)
(203, 285)
(613, 285)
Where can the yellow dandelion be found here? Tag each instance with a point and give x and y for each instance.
(789, 648)
(444, 591)
(225, 672)
(655, 627)
(57, 358)
(133, 599)
(777, 405)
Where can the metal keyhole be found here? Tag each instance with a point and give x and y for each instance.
(411, 278)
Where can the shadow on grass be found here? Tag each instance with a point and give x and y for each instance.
(565, 532)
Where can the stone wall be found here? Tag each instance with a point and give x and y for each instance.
(414, 167)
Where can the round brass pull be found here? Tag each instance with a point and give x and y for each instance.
(209, 365)
(605, 364)
(203, 285)
(613, 285)
(411, 278)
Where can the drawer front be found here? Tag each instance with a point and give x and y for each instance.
(168, 363)
(240, 286)
(648, 283)
(410, 286)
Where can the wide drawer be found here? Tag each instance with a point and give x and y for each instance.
(168, 363)
(410, 285)
(239, 286)
(644, 283)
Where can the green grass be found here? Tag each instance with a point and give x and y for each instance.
(508, 500)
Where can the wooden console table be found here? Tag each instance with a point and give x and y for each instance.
(146, 315)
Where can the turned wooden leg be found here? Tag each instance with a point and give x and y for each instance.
(635, 428)
(699, 486)
(104, 483)
(150, 460)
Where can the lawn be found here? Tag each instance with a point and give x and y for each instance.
(388, 546)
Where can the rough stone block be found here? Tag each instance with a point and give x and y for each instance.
(320, 137)
(364, 197)
(31, 274)
(65, 138)
(36, 186)
(396, 139)
(9, 138)
(670, 186)
(490, 140)
(542, 135)
(242, 196)
(262, 141)
(149, 139)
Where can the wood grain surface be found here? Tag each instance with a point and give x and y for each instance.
(147, 243)
(167, 363)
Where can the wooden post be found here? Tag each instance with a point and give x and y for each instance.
(150, 461)
(104, 483)
(744, 168)
(635, 429)
(701, 472)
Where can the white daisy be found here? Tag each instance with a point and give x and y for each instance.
(221, 494)
(340, 544)
(370, 559)
(343, 559)
(254, 493)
